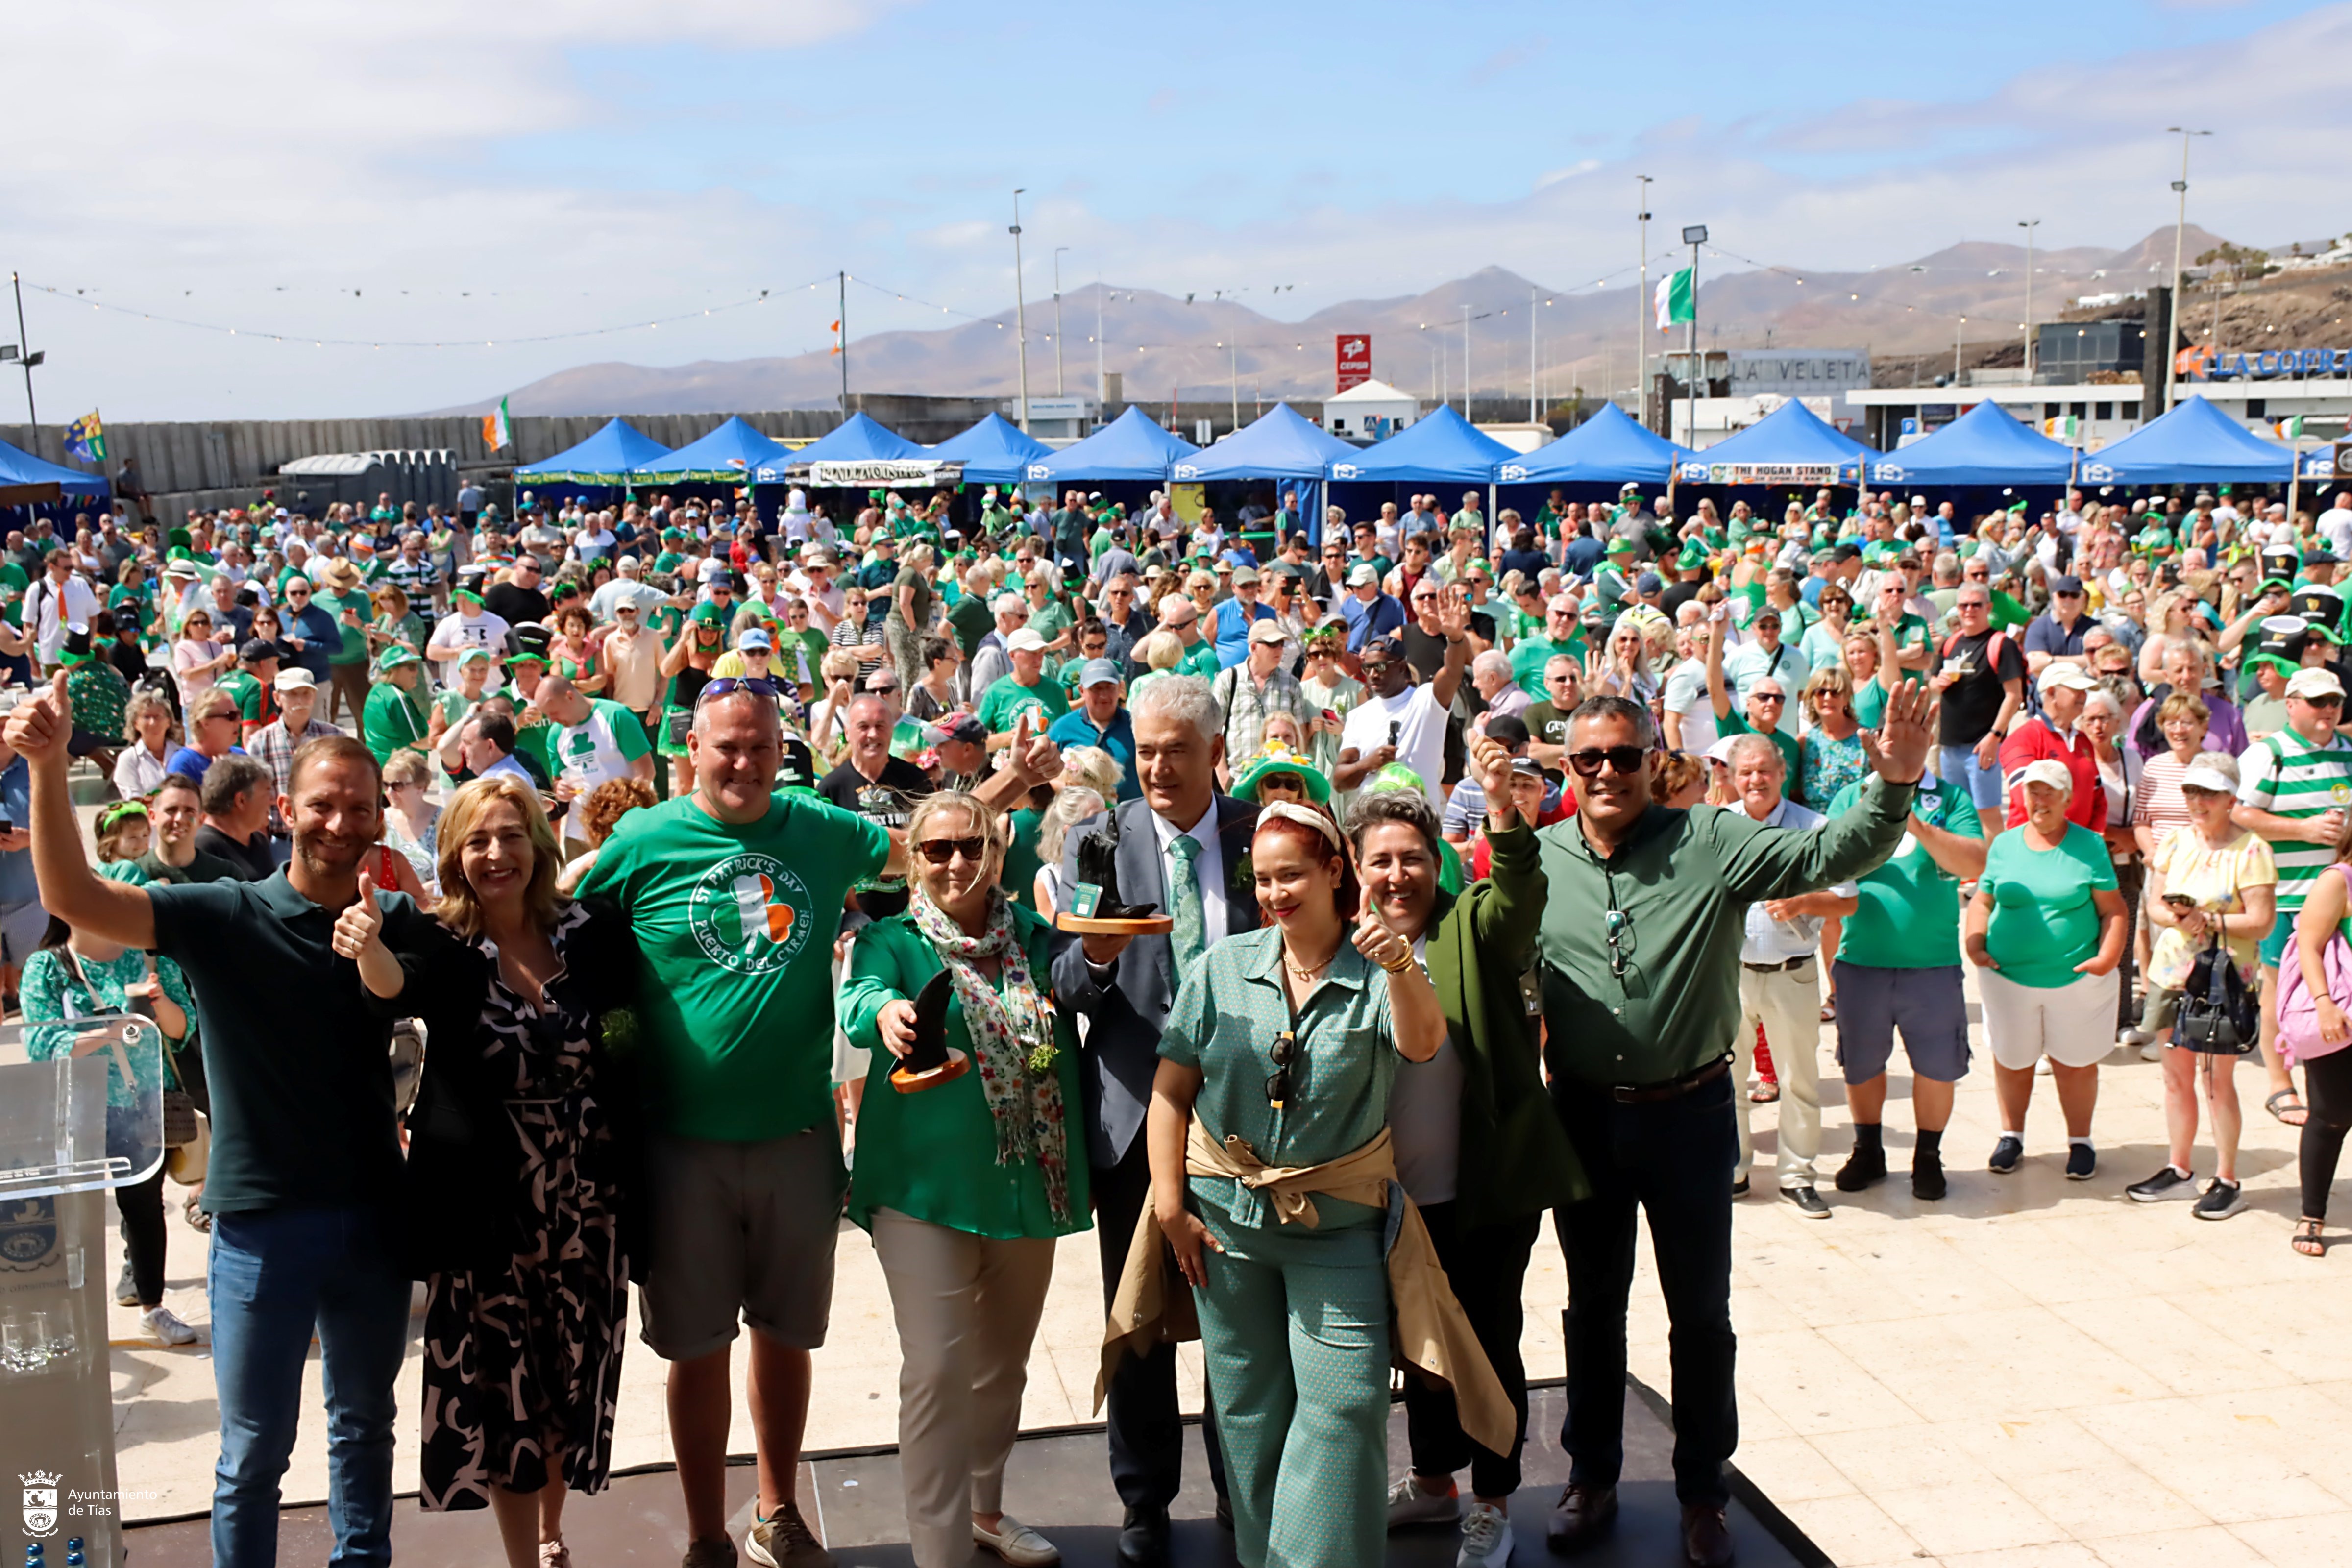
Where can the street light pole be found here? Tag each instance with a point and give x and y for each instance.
(1957, 331)
(1694, 236)
(841, 335)
(2028, 225)
(1020, 309)
(1532, 353)
(2179, 228)
(26, 355)
(1100, 407)
(1059, 389)
(1465, 362)
(1641, 305)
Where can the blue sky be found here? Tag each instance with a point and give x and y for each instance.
(447, 170)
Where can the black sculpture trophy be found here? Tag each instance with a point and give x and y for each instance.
(930, 1061)
(1095, 904)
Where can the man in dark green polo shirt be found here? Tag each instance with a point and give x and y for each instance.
(1640, 952)
(297, 980)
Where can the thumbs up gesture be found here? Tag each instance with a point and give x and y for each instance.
(360, 928)
(42, 724)
(1377, 940)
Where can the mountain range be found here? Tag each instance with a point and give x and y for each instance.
(1974, 291)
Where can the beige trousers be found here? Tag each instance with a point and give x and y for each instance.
(1788, 1002)
(966, 1310)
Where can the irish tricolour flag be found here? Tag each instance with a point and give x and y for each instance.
(1678, 300)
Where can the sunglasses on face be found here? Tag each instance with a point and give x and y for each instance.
(1620, 758)
(940, 851)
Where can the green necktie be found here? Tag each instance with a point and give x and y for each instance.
(1184, 903)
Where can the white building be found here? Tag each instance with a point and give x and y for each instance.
(2102, 413)
(1369, 410)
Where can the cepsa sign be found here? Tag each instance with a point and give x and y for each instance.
(1355, 360)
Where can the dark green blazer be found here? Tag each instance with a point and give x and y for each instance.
(1515, 1160)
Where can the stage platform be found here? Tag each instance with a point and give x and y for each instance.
(1058, 1482)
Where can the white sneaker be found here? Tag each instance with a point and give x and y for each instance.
(1018, 1545)
(2135, 1036)
(165, 1325)
(1485, 1537)
(1408, 1504)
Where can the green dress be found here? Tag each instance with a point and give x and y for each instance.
(1294, 1321)
(932, 1156)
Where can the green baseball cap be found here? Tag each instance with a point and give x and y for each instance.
(397, 655)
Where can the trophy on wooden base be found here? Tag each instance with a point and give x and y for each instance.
(930, 1061)
(1095, 904)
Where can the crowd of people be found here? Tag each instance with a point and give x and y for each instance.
(614, 859)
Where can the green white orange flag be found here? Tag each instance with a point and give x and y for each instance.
(498, 435)
(1678, 300)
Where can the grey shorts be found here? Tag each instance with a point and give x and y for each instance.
(1928, 1004)
(741, 1230)
(22, 926)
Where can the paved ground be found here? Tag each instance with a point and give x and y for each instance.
(2033, 1371)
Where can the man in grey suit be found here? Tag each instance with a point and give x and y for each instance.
(1185, 848)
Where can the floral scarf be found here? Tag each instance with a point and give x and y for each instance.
(1011, 1036)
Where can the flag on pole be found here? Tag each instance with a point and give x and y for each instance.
(1678, 300)
(837, 338)
(2063, 428)
(498, 435)
(2289, 428)
(85, 438)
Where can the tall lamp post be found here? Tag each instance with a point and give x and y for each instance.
(1058, 388)
(1020, 308)
(1694, 236)
(2029, 225)
(2179, 228)
(1641, 305)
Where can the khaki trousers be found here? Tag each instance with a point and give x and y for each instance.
(1788, 1002)
(966, 1310)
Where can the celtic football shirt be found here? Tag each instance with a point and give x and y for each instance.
(735, 928)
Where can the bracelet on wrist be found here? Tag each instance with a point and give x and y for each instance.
(1401, 966)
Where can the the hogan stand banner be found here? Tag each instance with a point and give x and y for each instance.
(877, 471)
(1354, 351)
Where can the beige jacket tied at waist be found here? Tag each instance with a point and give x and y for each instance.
(1154, 1304)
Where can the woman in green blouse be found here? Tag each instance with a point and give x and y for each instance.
(965, 1184)
(1284, 1043)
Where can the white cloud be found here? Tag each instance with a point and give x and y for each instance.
(249, 145)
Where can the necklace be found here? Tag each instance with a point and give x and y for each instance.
(1306, 972)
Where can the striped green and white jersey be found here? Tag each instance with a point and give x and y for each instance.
(2288, 776)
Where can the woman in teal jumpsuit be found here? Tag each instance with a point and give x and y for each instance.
(1287, 1039)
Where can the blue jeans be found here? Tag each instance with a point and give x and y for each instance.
(276, 1275)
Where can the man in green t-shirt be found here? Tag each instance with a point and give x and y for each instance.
(1025, 688)
(338, 594)
(1765, 714)
(396, 718)
(1898, 966)
(254, 684)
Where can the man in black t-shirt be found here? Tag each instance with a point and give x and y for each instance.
(1981, 681)
(875, 785)
(519, 599)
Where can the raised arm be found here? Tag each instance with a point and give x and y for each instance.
(1762, 863)
(1454, 622)
(39, 731)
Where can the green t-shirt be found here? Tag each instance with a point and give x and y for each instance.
(1529, 655)
(392, 721)
(932, 1156)
(1546, 722)
(1792, 751)
(1005, 698)
(2043, 920)
(255, 703)
(1022, 862)
(735, 928)
(1199, 659)
(2287, 775)
(1910, 913)
(355, 644)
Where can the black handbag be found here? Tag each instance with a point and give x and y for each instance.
(2218, 1014)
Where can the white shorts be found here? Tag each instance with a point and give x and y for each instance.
(2073, 1025)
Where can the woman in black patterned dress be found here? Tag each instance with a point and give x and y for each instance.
(528, 1299)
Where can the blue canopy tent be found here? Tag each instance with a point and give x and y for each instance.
(1609, 449)
(611, 456)
(1131, 448)
(1790, 446)
(858, 452)
(1441, 447)
(993, 452)
(28, 480)
(2193, 444)
(1280, 443)
(732, 454)
(1986, 445)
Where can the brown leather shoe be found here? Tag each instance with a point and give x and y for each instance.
(1579, 1517)
(1707, 1538)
